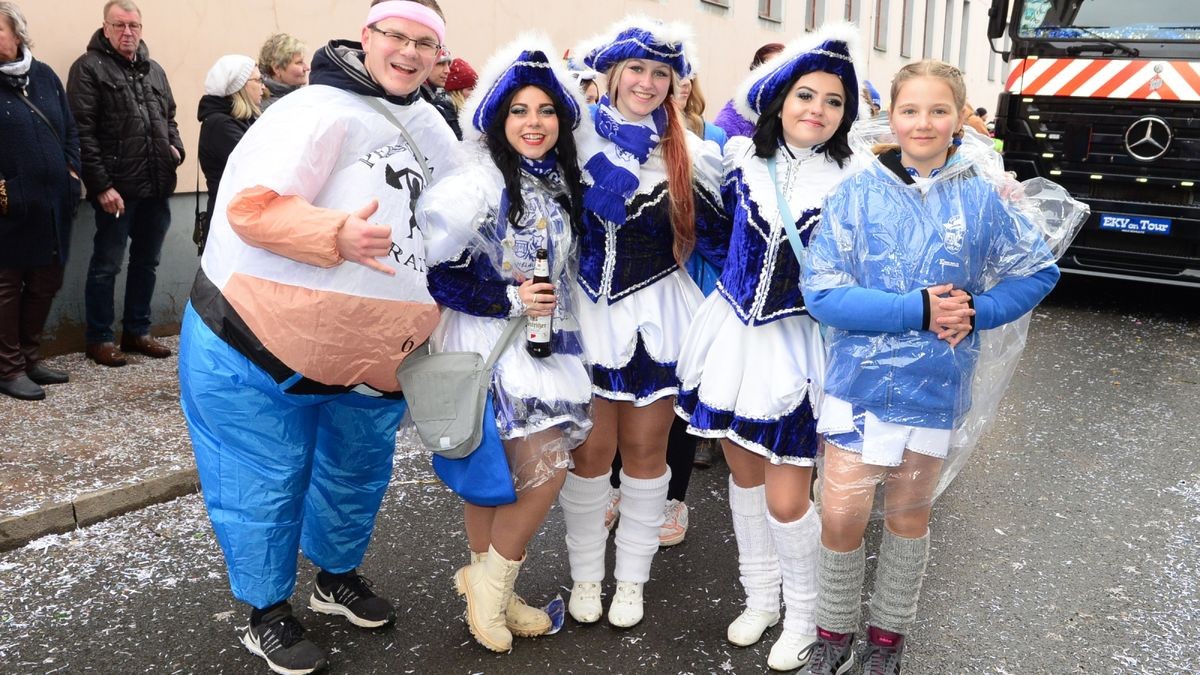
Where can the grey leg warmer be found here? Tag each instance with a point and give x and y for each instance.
(839, 589)
(898, 582)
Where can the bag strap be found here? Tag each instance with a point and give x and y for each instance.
(412, 145)
(37, 111)
(785, 212)
(506, 338)
(197, 188)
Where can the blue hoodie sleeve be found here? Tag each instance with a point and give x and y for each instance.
(1022, 262)
(470, 286)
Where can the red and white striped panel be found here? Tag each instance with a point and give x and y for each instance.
(1107, 78)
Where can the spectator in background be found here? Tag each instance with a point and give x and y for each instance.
(130, 148)
(233, 94)
(39, 190)
(728, 118)
(460, 82)
(434, 91)
(869, 101)
(281, 62)
(977, 120)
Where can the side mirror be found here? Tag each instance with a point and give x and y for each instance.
(997, 17)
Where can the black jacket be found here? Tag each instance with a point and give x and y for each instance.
(126, 117)
(219, 135)
(441, 101)
(42, 195)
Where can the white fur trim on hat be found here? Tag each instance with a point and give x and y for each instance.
(499, 63)
(228, 75)
(840, 31)
(667, 32)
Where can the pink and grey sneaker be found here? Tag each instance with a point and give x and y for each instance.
(831, 654)
(884, 649)
(675, 523)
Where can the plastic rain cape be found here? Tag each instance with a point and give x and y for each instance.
(1037, 214)
(543, 406)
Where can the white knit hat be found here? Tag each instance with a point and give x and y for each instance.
(228, 75)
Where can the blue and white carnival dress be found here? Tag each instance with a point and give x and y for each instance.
(634, 301)
(475, 257)
(752, 364)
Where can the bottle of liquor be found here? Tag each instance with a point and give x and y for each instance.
(538, 328)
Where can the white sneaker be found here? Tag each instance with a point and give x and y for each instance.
(613, 511)
(748, 628)
(675, 523)
(791, 651)
(626, 608)
(584, 604)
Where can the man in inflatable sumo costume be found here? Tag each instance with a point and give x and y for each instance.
(310, 294)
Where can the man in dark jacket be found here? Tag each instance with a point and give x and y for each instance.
(434, 91)
(130, 147)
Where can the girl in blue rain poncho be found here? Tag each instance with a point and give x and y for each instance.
(915, 255)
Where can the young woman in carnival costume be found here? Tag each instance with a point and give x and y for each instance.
(802, 103)
(483, 227)
(914, 256)
(298, 318)
(650, 195)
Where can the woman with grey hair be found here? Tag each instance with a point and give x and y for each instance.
(39, 190)
(283, 67)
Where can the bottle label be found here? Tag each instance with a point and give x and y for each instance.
(537, 329)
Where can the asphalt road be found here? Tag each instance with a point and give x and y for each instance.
(1069, 544)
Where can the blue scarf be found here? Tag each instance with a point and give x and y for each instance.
(542, 168)
(614, 170)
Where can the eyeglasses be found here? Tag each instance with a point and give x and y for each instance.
(255, 79)
(400, 41)
(120, 27)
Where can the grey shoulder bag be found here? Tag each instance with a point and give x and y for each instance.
(447, 394)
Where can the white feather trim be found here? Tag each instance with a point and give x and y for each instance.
(841, 31)
(668, 32)
(499, 62)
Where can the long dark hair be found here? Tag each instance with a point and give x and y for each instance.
(768, 132)
(508, 160)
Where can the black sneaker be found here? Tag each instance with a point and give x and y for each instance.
(831, 654)
(350, 595)
(279, 638)
(884, 650)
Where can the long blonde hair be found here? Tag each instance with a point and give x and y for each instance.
(693, 109)
(678, 165)
(941, 70)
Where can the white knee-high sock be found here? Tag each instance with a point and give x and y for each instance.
(758, 565)
(642, 502)
(798, 544)
(583, 502)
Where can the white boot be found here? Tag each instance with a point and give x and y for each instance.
(757, 564)
(626, 608)
(642, 502)
(583, 502)
(798, 544)
(488, 587)
(520, 619)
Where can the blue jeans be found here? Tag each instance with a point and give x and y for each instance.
(144, 224)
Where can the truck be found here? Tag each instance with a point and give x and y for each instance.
(1103, 98)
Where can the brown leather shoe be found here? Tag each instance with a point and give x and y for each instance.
(106, 354)
(144, 344)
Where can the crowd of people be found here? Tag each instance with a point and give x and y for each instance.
(404, 199)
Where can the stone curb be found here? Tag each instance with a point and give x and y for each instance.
(93, 507)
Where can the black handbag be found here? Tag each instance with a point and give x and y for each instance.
(200, 227)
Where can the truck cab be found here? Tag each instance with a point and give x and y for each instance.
(1103, 98)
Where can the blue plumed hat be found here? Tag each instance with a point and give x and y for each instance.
(639, 37)
(528, 60)
(832, 49)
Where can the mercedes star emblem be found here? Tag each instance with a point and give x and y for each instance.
(1148, 139)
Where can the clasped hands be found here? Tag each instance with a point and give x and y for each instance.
(950, 313)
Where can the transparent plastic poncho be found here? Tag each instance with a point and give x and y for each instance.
(542, 405)
(972, 225)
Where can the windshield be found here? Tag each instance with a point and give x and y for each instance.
(1124, 20)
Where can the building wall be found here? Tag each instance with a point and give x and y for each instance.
(187, 36)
